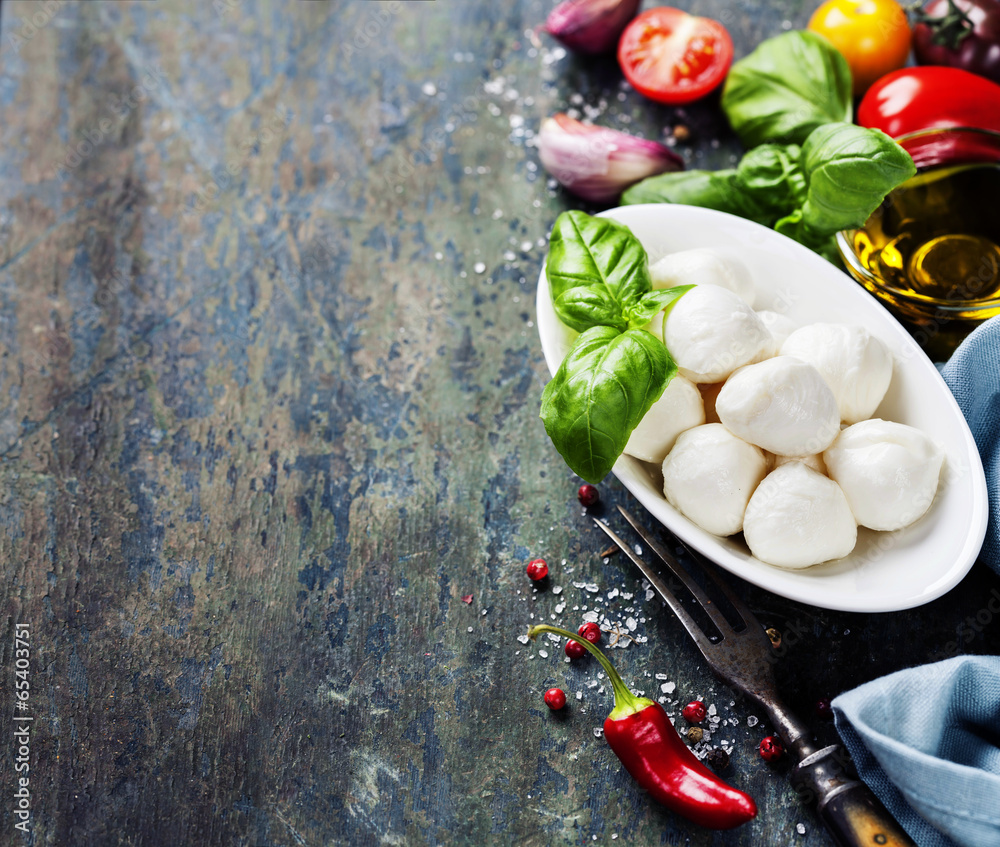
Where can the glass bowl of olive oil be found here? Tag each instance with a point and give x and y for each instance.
(931, 251)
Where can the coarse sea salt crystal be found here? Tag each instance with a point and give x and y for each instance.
(543, 653)
(752, 720)
(523, 639)
(668, 687)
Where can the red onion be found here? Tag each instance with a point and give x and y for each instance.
(597, 163)
(590, 26)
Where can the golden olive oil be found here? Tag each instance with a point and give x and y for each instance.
(935, 243)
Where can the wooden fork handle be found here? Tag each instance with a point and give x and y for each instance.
(853, 815)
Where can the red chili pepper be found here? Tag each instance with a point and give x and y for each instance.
(930, 97)
(641, 735)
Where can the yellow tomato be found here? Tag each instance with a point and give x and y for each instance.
(873, 35)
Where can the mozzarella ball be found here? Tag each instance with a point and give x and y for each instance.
(798, 518)
(710, 332)
(679, 408)
(709, 476)
(889, 472)
(780, 326)
(704, 266)
(854, 363)
(782, 405)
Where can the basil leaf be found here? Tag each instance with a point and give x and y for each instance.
(711, 188)
(771, 175)
(596, 269)
(708, 189)
(787, 87)
(583, 307)
(848, 171)
(653, 302)
(604, 386)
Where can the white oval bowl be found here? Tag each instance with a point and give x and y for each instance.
(887, 571)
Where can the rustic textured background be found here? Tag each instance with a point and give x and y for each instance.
(268, 412)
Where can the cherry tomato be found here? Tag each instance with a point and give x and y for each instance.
(960, 33)
(931, 97)
(873, 35)
(673, 57)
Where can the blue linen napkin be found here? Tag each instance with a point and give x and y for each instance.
(927, 741)
(973, 375)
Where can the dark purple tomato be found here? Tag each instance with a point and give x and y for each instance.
(960, 34)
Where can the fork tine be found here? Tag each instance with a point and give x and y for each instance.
(711, 609)
(749, 618)
(664, 590)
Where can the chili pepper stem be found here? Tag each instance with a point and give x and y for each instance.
(626, 703)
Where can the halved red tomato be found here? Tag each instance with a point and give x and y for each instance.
(673, 57)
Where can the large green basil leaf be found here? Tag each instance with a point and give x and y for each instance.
(604, 386)
(708, 189)
(597, 270)
(787, 87)
(848, 171)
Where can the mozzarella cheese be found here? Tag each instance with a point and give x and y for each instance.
(704, 266)
(679, 408)
(780, 326)
(798, 518)
(889, 472)
(711, 331)
(782, 405)
(855, 364)
(709, 475)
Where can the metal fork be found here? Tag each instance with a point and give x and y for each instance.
(744, 659)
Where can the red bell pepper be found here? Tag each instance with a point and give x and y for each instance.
(914, 99)
(641, 735)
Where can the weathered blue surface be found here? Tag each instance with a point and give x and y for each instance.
(265, 421)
